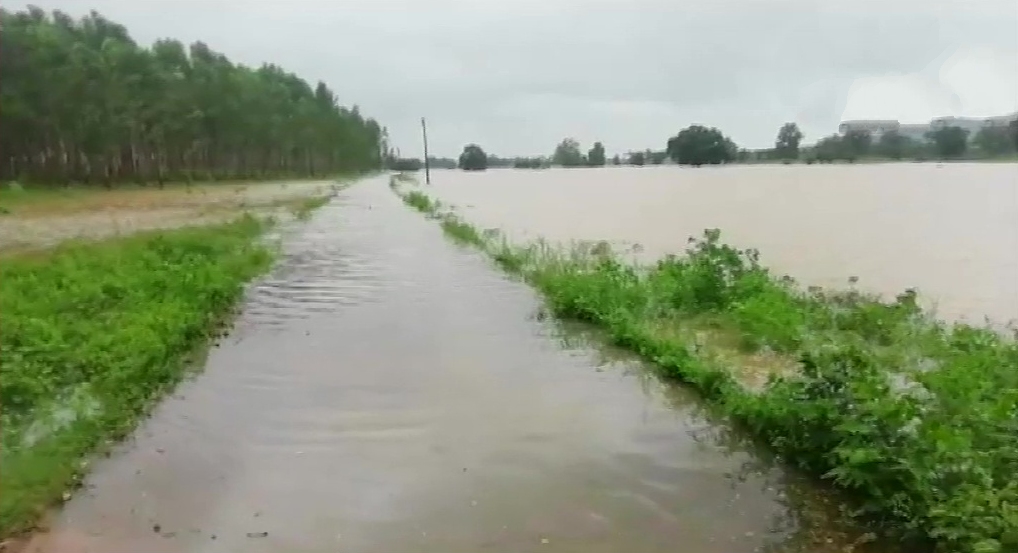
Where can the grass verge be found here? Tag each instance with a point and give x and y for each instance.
(916, 418)
(93, 334)
(36, 200)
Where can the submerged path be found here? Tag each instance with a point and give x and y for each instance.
(386, 391)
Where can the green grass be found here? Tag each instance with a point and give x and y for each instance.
(421, 202)
(916, 419)
(93, 334)
(15, 197)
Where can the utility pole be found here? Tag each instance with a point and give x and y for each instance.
(427, 165)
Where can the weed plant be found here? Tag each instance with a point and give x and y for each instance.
(916, 418)
(303, 209)
(93, 334)
(421, 202)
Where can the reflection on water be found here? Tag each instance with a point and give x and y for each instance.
(387, 391)
(950, 230)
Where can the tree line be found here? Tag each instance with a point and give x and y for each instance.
(82, 102)
(698, 145)
(695, 145)
(945, 143)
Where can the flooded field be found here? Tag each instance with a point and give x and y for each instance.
(43, 218)
(387, 391)
(950, 230)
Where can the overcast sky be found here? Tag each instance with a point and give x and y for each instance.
(516, 76)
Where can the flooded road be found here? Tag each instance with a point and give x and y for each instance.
(950, 230)
(386, 391)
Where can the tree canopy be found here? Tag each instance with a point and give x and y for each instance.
(596, 156)
(568, 154)
(405, 164)
(994, 141)
(473, 158)
(949, 142)
(856, 144)
(787, 144)
(892, 145)
(698, 145)
(83, 102)
(637, 158)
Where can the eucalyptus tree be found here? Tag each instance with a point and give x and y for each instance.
(81, 101)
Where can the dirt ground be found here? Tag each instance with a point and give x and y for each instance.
(33, 219)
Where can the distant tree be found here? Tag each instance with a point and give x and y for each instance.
(698, 145)
(568, 154)
(994, 141)
(732, 148)
(473, 158)
(1012, 127)
(949, 142)
(405, 164)
(442, 163)
(495, 161)
(856, 144)
(616, 160)
(656, 158)
(829, 148)
(528, 163)
(787, 144)
(892, 145)
(595, 158)
(637, 158)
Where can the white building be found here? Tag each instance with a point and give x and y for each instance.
(917, 131)
(876, 127)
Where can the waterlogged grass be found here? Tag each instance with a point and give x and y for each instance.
(303, 208)
(421, 202)
(94, 333)
(916, 418)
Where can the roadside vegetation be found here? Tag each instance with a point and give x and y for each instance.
(96, 331)
(303, 208)
(93, 334)
(915, 418)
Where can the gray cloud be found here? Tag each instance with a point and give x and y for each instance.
(518, 76)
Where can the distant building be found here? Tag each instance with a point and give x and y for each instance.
(915, 131)
(1000, 120)
(875, 127)
(970, 124)
(918, 131)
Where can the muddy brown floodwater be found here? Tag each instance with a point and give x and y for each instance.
(950, 230)
(387, 391)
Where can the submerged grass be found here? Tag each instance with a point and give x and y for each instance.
(421, 202)
(916, 418)
(93, 334)
(303, 208)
